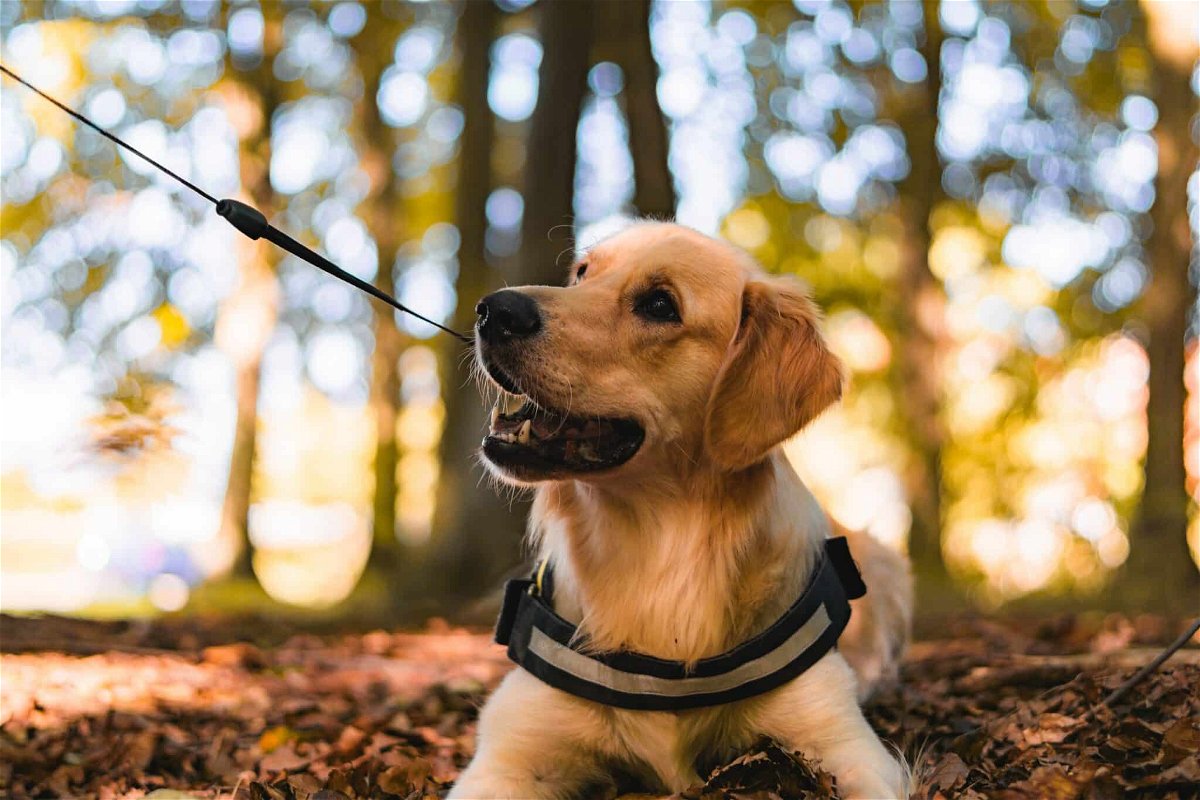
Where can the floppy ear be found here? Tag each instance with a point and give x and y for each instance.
(777, 376)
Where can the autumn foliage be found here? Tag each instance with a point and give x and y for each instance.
(990, 711)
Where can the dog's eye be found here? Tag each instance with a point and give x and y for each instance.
(657, 306)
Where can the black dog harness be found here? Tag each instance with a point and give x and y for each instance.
(548, 646)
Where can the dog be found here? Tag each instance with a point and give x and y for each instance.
(645, 403)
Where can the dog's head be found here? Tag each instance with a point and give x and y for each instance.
(667, 352)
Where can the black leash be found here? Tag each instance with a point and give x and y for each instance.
(247, 219)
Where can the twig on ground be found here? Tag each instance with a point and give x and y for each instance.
(1116, 695)
(1141, 674)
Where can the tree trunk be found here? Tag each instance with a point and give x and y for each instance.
(244, 325)
(253, 289)
(477, 533)
(480, 531)
(247, 317)
(654, 188)
(385, 407)
(1160, 569)
(385, 216)
(921, 308)
(546, 230)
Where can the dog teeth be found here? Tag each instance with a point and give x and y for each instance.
(523, 433)
(495, 417)
(512, 403)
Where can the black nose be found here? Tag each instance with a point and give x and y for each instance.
(507, 315)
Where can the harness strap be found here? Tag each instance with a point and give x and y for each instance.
(548, 646)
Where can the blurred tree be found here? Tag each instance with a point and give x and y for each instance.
(920, 307)
(856, 65)
(474, 529)
(1159, 555)
(1026, 181)
(386, 219)
(480, 532)
(566, 33)
(627, 42)
(980, 171)
(247, 316)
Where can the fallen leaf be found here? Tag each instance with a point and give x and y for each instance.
(1181, 738)
(950, 773)
(283, 758)
(275, 737)
(1051, 728)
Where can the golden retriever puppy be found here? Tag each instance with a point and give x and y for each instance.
(646, 401)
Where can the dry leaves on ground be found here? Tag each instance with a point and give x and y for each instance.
(998, 710)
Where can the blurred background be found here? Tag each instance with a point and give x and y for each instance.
(995, 203)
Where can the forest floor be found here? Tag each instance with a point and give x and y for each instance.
(179, 708)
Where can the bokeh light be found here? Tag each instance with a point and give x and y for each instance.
(132, 316)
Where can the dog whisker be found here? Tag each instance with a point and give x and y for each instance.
(685, 454)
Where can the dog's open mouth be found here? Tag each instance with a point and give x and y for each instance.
(529, 440)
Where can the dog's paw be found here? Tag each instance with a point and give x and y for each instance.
(873, 782)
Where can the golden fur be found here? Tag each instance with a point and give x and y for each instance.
(698, 542)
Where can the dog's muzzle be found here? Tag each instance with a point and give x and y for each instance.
(506, 316)
(526, 439)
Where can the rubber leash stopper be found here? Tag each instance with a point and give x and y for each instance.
(247, 219)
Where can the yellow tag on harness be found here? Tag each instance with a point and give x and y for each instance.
(536, 589)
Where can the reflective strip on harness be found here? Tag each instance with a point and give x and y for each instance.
(547, 646)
